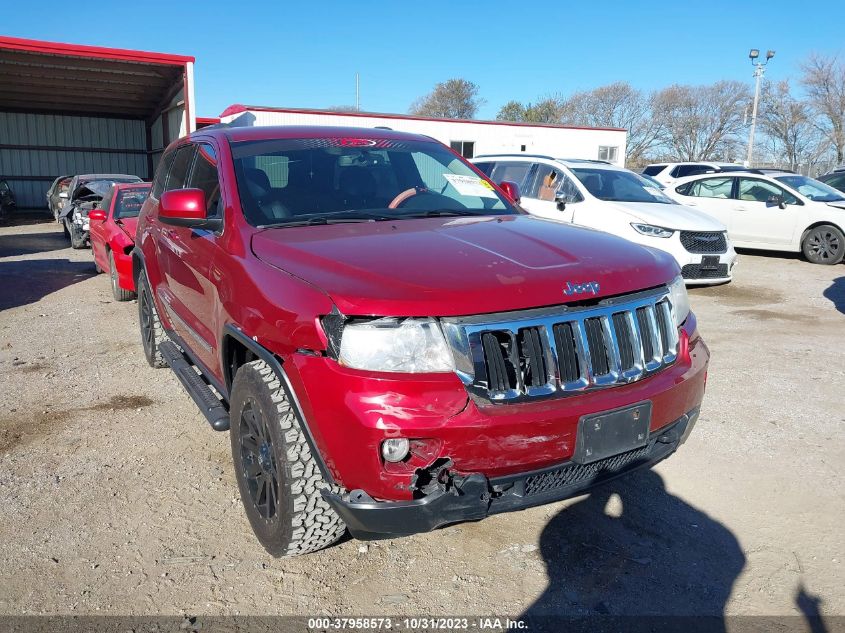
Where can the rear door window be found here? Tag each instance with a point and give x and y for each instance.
(512, 171)
(709, 188)
(487, 168)
(653, 170)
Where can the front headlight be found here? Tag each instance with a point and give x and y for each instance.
(651, 230)
(679, 299)
(397, 345)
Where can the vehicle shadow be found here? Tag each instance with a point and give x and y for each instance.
(633, 549)
(836, 293)
(30, 280)
(769, 254)
(14, 244)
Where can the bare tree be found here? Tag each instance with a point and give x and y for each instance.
(617, 105)
(824, 80)
(788, 123)
(702, 122)
(452, 99)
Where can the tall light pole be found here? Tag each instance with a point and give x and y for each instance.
(759, 70)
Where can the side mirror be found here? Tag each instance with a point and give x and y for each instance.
(511, 190)
(561, 203)
(95, 215)
(775, 200)
(63, 195)
(186, 207)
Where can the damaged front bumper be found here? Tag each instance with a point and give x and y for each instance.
(473, 496)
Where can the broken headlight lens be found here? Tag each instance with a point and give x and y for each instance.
(679, 299)
(396, 345)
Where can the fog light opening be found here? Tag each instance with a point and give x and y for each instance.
(395, 449)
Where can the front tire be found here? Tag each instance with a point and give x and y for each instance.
(152, 331)
(77, 240)
(824, 244)
(278, 477)
(117, 292)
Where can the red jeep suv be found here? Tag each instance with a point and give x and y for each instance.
(393, 344)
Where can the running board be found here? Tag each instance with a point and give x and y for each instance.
(209, 404)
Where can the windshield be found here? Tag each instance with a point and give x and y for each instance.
(812, 189)
(323, 180)
(619, 186)
(130, 201)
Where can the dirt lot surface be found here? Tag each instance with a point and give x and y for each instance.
(117, 497)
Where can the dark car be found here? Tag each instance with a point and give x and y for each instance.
(835, 179)
(393, 344)
(55, 199)
(7, 200)
(85, 193)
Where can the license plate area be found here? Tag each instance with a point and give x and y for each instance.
(612, 432)
(709, 262)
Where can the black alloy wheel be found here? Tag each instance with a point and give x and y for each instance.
(259, 461)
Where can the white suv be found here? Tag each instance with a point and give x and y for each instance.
(618, 201)
(669, 173)
(777, 211)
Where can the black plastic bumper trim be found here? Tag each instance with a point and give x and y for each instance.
(474, 496)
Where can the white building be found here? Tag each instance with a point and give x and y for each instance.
(469, 138)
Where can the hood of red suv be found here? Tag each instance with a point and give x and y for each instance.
(460, 266)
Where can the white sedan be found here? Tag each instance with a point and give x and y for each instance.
(772, 211)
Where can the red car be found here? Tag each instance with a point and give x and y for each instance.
(112, 235)
(393, 344)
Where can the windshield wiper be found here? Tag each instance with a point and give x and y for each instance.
(434, 213)
(349, 216)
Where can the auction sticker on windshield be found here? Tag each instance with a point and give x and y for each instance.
(470, 186)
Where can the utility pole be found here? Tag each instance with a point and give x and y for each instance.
(759, 70)
(357, 94)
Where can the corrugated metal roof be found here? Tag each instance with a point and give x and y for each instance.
(54, 77)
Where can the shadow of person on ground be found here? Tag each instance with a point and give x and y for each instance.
(809, 606)
(836, 293)
(633, 549)
(27, 281)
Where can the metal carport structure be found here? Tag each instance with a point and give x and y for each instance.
(68, 108)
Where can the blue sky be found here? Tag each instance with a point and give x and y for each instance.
(306, 54)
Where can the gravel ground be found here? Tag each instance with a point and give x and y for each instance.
(116, 497)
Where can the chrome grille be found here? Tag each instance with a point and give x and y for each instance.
(562, 350)
(704, 241)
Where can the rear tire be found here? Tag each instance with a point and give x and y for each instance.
(152, 331)
(278, 477)
(117, 292)
(824, 244)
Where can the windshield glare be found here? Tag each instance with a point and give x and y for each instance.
(619, 186)
(812, 189)
(294, 181)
